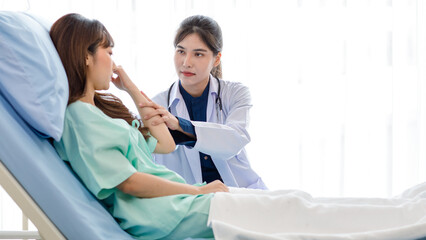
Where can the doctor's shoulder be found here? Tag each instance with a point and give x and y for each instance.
(235, 92)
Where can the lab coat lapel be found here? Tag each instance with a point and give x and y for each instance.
(192, 155)
(225, 172)
(211, 109)
(211, 103)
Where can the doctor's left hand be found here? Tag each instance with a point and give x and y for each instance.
(165, 116)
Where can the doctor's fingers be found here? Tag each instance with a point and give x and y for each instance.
(171, 121)
(157, 112)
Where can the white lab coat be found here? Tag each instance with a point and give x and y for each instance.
(224, 141)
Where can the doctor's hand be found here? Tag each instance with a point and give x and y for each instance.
(215, 186)
(165, 116)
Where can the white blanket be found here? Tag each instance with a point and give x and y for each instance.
(291, 214)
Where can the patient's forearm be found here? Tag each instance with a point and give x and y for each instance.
(145, 185)
(165, 143)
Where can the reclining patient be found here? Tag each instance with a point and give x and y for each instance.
(111, 152)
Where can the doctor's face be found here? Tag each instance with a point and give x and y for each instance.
(193, 63)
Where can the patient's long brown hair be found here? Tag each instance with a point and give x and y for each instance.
(75, 37)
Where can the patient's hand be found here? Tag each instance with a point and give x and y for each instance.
(215, 186)
(122, 81)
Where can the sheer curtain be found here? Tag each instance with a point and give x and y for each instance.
(338, 86)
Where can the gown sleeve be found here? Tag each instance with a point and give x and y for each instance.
(96, 147)
(151, 143)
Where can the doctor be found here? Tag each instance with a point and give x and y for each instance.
(207, 116)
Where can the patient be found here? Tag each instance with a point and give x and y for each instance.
(111, 152)
(113, 157)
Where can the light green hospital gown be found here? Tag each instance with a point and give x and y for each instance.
(104, 152)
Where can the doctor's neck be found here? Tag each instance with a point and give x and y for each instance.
(195, 90)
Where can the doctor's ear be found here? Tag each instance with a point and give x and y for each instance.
(217, 59)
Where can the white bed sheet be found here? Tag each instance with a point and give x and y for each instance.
(292, 214)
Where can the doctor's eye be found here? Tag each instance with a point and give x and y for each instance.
(199, 54)
(180, 51)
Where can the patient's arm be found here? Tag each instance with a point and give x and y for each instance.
(165, 142)
(145, 185)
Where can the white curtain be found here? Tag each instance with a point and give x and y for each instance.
(338, 86)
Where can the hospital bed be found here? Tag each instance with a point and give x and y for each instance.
(33, 93)
(44, 187)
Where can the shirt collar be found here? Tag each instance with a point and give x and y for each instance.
(187, 97)
(176, 95)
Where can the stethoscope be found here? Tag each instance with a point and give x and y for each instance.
(218, 101)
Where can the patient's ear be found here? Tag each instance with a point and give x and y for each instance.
(89, 59)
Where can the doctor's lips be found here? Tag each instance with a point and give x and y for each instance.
(188, 74)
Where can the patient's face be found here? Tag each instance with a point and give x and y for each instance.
(100, 66)
(193, 63)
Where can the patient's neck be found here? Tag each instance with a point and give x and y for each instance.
(87, 98)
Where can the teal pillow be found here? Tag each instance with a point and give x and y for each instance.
(32, 77)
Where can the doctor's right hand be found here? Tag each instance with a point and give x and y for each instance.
(165, 116)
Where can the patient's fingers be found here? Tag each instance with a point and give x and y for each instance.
(215, 186)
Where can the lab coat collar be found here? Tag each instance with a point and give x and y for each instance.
(176, 97)
(214, 87)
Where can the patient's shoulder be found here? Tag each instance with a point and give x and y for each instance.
(81, 110)
(86, 117)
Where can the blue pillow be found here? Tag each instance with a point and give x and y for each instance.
(32, 77)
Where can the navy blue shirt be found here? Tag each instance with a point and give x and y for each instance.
(197, 110)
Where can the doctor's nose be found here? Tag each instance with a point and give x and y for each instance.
(187, 61)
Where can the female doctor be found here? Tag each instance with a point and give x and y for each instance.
(207, 116)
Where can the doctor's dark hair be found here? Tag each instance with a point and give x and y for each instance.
(75, 37)
(208, 30)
